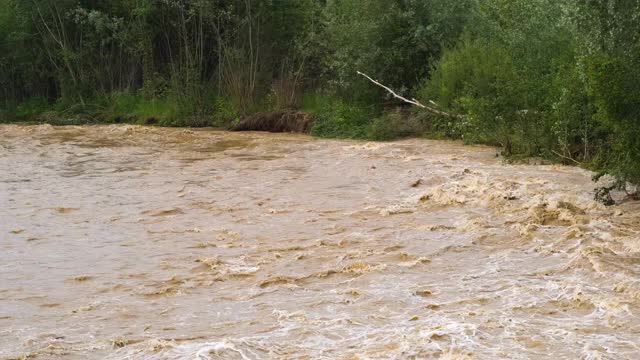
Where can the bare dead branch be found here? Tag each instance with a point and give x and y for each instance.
(566, 157)
(412, 101)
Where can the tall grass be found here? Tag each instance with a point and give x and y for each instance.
(337, 118)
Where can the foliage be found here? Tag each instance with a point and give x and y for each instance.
(612, 55)
(31, 107)
(394, 125)
(338, 118)
(477, 79)
(515, 76)
(552, 78)
(394, 41)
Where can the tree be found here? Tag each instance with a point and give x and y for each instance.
(611, 47)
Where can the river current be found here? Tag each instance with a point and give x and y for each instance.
(126, 242)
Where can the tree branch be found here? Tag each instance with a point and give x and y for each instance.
(412, 101)
(566, 157)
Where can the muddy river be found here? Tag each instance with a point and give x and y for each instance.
(123, 242)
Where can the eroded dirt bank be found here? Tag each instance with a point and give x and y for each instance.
(124, 242)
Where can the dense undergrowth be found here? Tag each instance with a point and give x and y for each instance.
(334, 117)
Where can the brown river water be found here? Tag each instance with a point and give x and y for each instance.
(124, 242)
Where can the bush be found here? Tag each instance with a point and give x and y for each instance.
(167, 110)
(132, 107)
(439, 127)
(394, 125)
(613, 83)
(477, 79)
(336, 118)
(27, 109)
(123, 102)
(224, 114)
(577, 134)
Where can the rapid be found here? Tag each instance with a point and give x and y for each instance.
(126, 242)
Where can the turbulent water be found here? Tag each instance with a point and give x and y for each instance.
(122, 242)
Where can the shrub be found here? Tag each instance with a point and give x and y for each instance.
(477, 79)
(336, 118)
(31, 107)
(613, 83)
(394, 125)
(224, 114)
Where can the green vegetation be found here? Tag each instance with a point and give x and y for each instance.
(543, 78)
(336, 117)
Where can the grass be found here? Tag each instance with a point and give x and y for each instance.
(123, 107)
(334, 117)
